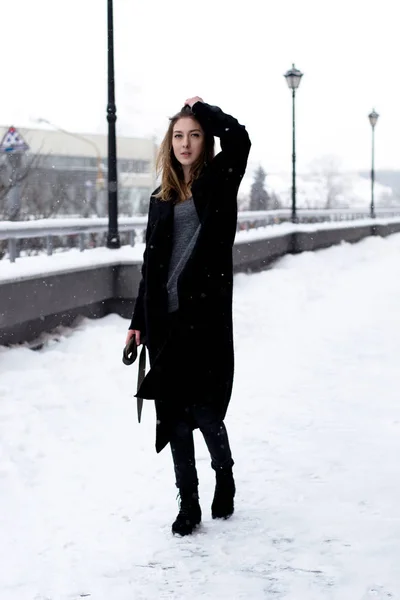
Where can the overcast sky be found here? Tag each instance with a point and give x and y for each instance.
(232, 53)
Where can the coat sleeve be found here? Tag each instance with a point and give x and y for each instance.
(234, 139)
(138, 321)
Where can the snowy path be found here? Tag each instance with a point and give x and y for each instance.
(86, 504)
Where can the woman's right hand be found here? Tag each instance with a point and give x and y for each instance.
(191, 101)
(131, 333)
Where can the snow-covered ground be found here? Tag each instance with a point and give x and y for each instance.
(86, 504)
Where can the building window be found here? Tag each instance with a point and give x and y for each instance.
(130, 165)
(125, 165)
(54, 161)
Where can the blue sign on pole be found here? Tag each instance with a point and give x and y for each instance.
(13, 142)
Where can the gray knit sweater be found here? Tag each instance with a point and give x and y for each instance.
(186, 231)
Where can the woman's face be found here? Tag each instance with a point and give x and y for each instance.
(187, 141)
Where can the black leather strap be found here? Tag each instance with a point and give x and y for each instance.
(129, 354)
(141, 376)
(128, 358)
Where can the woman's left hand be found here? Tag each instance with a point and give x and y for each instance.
(191, 101)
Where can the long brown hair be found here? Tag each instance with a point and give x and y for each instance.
(172, 180)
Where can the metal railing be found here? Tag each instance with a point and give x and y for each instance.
(48, 229)
(315, 215)
(80, 228)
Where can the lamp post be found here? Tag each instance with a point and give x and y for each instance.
(113, 240)
(373, 119)
(293, 78)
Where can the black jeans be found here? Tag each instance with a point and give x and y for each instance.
(182, 444)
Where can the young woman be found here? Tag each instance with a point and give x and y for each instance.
(183, 311)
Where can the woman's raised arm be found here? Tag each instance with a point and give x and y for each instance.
(234, 139)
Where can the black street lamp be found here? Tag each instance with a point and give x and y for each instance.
(293, 78)
(113, 240)
(373, 119)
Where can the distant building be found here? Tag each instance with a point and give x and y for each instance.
(76, 164)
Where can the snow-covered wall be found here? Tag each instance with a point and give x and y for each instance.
(99, 282)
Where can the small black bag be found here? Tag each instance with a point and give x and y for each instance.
(128, 358)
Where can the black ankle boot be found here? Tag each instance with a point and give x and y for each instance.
(223, 506)
(189, 515)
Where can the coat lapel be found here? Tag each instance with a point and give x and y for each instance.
(199, 198)
(165, 216)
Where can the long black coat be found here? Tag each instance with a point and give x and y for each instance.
(196, 360)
